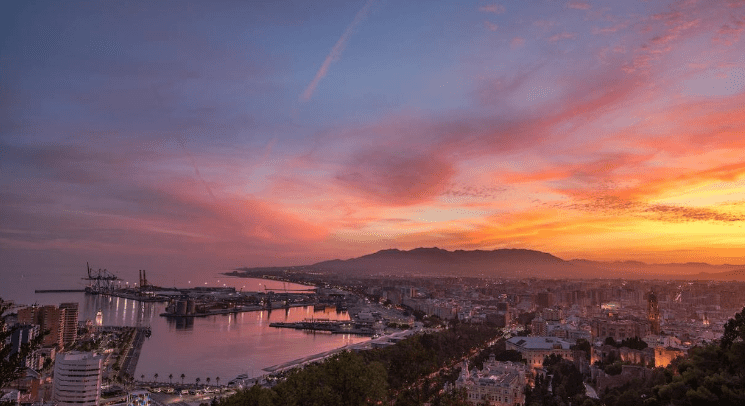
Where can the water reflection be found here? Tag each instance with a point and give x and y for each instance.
(181, 323)
(221, 345)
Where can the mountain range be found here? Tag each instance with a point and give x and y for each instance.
(517, 263)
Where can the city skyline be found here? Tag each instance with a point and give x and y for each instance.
(195, 136)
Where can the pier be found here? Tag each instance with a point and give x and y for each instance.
(333, 327)
(59, 291)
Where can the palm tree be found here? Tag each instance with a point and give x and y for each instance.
(182, 378)
(170, 377)
(197, 380)
(208, 381)
(217, 379)
(142, 377)
(156, 377)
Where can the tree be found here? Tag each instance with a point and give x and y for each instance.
(156, 377)
(734, 329)
(142, 377)
(217, 379)
(208, 381)
(170, 378)
(182, 378)
(11, 365)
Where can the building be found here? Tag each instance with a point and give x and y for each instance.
(545, 299)
(77, 378)
(47, 318)
(653, 314)
(535, 349)
(498, 383)
(61, 323)
(663, 356)
(23, 335)
(69, 322)
(619, 329)
(139, 398)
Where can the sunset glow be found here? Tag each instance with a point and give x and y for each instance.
(213, 135)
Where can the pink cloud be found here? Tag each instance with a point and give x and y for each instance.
(609, 30)
(493, 8)
(579, 5)
(490, 26)
(517, 42)
(562, 36)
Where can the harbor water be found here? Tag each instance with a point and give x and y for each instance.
(221, 346)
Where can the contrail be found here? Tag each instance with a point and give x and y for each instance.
(336, 51)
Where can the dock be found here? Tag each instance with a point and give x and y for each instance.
(59, 291)
(333, 327)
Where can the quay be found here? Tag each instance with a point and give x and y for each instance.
(59, 290)
(129, 364)
(334, 327)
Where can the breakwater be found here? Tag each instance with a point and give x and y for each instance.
(331, 326)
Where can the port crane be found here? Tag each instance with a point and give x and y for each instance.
(101, 280)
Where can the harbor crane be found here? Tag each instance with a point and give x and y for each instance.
(100, 281)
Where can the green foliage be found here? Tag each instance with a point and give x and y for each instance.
(411, 372)
(610, 341)
(500, 354)
(583, 345)
(342, 380)
(635, 343)
(563, 379)
(712, 374)
(11, 366)
(733, 330)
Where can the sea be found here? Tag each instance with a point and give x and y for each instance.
(223, 346)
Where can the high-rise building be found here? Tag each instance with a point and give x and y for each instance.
(23, 335)
(69, 322)
(545, 299)
(77, 378)
(47, 318)
(61, 323)
(653, 313)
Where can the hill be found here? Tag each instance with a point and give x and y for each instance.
(514, 263)
(505, 263)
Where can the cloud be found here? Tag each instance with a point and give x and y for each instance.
(609, 30)
(517, 42)
(336, 51)
(688, 214)
(396, 177)
(730, 33)
(493, 8)
(562, 36)
(579, 5)
(490, 26)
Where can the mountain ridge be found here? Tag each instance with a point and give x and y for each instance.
(517, 263)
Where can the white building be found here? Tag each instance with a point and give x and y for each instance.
(535, 349)
(77, 378)
(498, 383)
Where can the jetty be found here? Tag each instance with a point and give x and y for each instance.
(331, 326)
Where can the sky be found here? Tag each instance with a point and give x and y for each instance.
(189, 135)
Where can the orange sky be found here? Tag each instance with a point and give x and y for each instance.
(286, 135)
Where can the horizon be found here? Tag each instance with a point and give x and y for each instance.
(194, 136)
